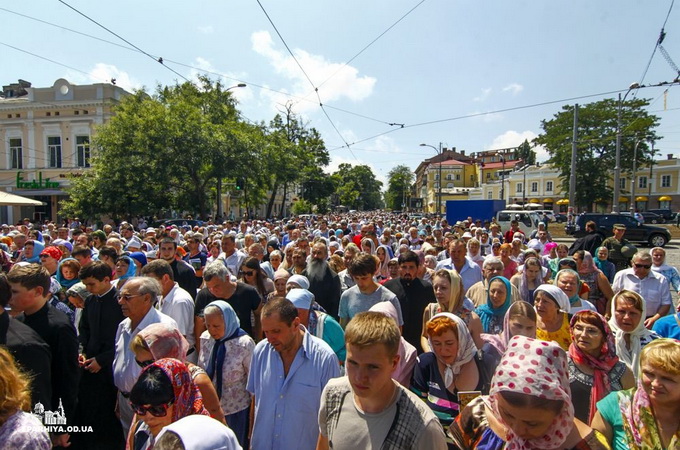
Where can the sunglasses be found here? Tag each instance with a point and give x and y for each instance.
(643, 266)
(143, 364)
(249, 273)
(154, 410)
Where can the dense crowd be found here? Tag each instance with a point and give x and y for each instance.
(354, 331)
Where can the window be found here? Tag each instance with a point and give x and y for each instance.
(448, 176)
(457, 177)
(549, 186)
(642, 183)
(489, 195)
(534, 186)
(436, 185)
(488, 175)
(666, 181)
(54, 151)
(449, 185)
(436, 176)
(16, 153)
(519, 187)
(622, 183)
(83, 150)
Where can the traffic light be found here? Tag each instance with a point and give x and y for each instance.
(239, 183)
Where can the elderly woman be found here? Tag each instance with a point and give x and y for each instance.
(659, 265)
(529, 279)
(648, 415)
(601, 292)
(509, 264)
(594, 368)
(569, 281)
(520, 320)
(448, 369)
(448, 290)
(552, 307)
(529, 405)
(163, 394)
(601, 261)
(474, 250)
(226, 352)
(161, 340)
(628, 325)
(498, 301)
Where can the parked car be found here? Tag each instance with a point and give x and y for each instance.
(528, 220)
(666, 213)
(560, 218)
(635, 231)
(649, 217)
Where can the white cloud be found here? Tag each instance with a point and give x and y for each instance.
(104, 73)
(206, 29)
(513, 88)
(346, 83)
(513, 138)
(483, 96)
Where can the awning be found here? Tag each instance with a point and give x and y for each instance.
(547, 200)
(623, 199)
(665, 198)
(534, 200)
(10, 199)
(40, 192)
(641, 198)
(564, 201)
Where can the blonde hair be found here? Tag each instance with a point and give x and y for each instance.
(139, 344)
(663, 354)
(15, 389)
(371, 328)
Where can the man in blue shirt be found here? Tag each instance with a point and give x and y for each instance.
(469, 271)
(288, 371)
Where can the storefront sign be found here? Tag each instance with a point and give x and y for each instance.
(36, 184)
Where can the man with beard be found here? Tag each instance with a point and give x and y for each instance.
(413, 294)
(324, 283)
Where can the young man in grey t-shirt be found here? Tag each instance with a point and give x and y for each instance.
(367, 292)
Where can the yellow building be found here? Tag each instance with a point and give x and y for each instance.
(458, 173)
(45, 137)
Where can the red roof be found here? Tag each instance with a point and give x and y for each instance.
(450, 162)
(499, 165)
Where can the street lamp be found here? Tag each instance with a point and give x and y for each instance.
(439, 186)
(617, 168)
(503, 176)
(219, 178)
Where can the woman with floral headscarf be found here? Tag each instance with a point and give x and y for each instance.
(600, 293)
(498, 301)
(448, 369)
(226, 352)
(529, 405)
(162, 340)
(448, 290)
(648, 415)
(163, 393)
(594, 368)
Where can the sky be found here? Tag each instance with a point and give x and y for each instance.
(467, 74)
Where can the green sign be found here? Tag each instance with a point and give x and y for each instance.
(36, 184)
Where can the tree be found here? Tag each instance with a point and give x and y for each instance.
(596, 144)
(526, 153)
(357, 187)
(399, 182)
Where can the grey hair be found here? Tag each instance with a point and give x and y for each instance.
(212, 309)
(147, 285)
(642, 255)
(216, 269)
(492, 260)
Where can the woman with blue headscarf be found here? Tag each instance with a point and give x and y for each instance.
(226, 351)
(31, 252)
(498, 301)
(125, 269)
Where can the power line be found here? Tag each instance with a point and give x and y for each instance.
(662, 35)
(158, 60)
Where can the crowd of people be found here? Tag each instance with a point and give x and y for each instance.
(355, 331)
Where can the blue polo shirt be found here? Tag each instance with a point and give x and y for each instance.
(286, 407)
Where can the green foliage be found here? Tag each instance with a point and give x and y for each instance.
(357, 187)
(302, 206)
(400, 179)
(526, 153)
(596, 146)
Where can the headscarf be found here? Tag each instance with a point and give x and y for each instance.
(140, 257)
(301, 298)
(487, 311)
(574, 298)
(370, 243)
(131, 270)
(188, 398)
(536, 368)
(165, 341)
(601, 365)
(213, 435)
(588, 264)
(38, 247)
(500, 340)
(63, 282)
(232, 330)
(596, 260)
(466, 348)
(524, 282)
(383, 270)
(455, 297)
(407, 352)
(300, 280)
(556, 294)
(639, 424)
(630, 357)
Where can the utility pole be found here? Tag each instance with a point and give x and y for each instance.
(572, 176)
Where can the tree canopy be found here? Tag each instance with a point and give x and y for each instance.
(357, 187)
(596, 144)
(399, 181)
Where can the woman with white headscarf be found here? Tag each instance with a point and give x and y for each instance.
(552, 307)
(449, 368)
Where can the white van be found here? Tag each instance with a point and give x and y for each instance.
(528, 220)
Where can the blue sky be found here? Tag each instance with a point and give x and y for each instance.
(446, 59)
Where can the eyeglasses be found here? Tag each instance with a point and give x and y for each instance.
(643, 266)
(128, 297)
(249, 273)
(143, 364)
(590, 331)
(44, 256)
(155, 410)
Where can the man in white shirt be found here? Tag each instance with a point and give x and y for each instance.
(136, 299)
(469, 271)
(230, 256)
(176, 302)
(652, 286)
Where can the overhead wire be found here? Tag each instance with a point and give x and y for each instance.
(659, 40)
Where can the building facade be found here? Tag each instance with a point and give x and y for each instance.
(45, 138)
